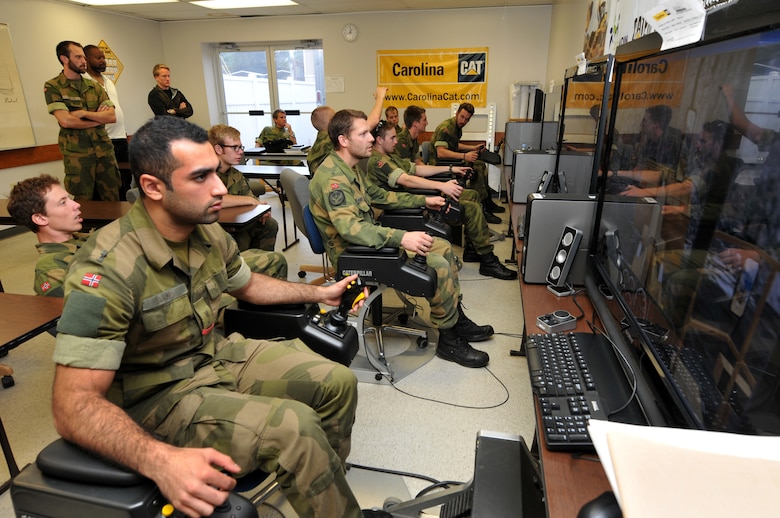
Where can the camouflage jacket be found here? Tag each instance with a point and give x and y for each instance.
(81, 94)
(318, 151)
(132, 306)
(235, 182)
(272, 133)
(384, 170)
(53, 262)
(407, 146)
(341, 203)
(448, 135)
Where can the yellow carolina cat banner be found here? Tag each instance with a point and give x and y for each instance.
(433, 78)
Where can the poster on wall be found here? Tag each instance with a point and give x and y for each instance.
(114, 67)
(15, 127)
(626, 22)
(433, 78)
(595, 29)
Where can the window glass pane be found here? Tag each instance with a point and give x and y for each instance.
(245, 83)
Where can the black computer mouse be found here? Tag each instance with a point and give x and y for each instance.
(603, 506)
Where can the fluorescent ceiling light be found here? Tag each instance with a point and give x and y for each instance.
(241, 4)
(102, 3)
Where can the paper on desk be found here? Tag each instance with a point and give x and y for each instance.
(656, 471)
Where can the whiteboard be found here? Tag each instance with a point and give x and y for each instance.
(15, 128)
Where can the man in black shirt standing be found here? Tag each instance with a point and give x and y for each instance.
(164, 100)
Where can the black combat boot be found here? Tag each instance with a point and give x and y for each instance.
(470, 254)
(490, 266)
(454, 348)
(470, 331)
(491, 206)
(489, 216)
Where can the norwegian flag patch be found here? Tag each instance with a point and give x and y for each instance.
(91, 279)
(45, 286)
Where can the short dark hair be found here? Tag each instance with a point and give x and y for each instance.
(389, 110)
(381, 129)
(341, 124)
(413, 114)
(277, 113)
(466, 106)
(719, 129)
(661, 114)
(150, 148)
(63, 49)
(28, 197)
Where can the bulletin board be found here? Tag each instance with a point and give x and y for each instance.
(15, 127)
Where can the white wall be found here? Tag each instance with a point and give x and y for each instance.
(518, 38)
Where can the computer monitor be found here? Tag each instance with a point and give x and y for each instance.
(696, 302)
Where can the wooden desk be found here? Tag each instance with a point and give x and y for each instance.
(24, 316)
(274, 172)
(569, 482)
(99, 213)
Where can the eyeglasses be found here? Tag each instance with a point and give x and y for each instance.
(235, 148)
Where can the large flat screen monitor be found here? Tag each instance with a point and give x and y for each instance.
(697, 296)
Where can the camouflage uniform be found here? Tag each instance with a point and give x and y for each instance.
(274, 133)
(407, 146)
(133, 306)
(384, 171)
(448, 135)
(88, 154)
(341, 204)
(318, 151)
(53, 262)
(255, 234)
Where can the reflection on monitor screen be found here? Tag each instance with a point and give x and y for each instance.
(696, 283)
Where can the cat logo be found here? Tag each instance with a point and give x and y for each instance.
(472, 67)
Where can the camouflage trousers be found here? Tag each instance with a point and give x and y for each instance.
(479, 179)
(256, 235)
(281, 408)
(474, 225)
(444, 303)
(91, 177)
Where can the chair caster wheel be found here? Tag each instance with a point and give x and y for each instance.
(378, 376)
(301, 275)
(8, 382)
(422, 342)
(403, 319)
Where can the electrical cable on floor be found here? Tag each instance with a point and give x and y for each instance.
(434, 483)
(456, 405)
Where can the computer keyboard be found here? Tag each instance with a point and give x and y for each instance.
(567, 391)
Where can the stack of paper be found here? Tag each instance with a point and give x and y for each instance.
(656, 471)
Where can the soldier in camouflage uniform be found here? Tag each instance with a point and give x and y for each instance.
(389, 172)
(82, 109)
(143, 380)
(445, 144)
(320, 118)
(391, 115)
(257, 234)
(341, 203)
(280, 129)
(42, 205)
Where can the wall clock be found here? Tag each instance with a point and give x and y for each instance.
(349, 32)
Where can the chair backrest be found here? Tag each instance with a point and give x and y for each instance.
(425, 151)
(315, 239)
(296, 189)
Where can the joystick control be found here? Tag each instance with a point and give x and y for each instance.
(236, 506)
(352, 295)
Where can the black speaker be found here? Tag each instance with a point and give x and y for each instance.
(564, 256)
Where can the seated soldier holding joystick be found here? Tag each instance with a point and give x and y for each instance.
(341, 203)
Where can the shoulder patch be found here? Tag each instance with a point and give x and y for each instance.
(336, 198)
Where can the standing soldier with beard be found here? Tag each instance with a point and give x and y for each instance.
(82, 109)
